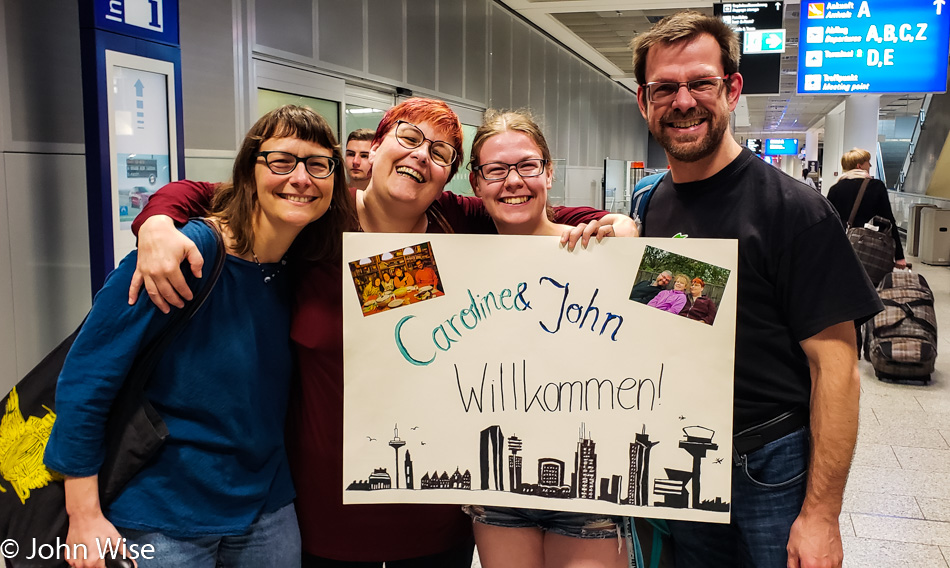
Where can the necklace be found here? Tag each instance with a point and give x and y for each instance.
(268, 278)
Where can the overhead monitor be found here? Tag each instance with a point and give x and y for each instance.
(781, 146)
(761, 61)
(754, 144)
(873, 46)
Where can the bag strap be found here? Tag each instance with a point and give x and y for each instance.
(857, 202)
(148, 357)
(642, 193)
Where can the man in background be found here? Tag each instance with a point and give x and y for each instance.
(357, 157)
(645, 291)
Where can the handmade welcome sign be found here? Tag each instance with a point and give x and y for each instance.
(504, 370)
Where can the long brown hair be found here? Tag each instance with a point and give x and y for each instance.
(236, 201)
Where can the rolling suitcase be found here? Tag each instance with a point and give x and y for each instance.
(901, 341)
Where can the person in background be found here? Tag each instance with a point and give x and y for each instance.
(698, 307)
(372, 289)
(357, 157)
(387, 283)
(416, 150)
(806, 179)
(425, 275)
(856, 164)
(800, 288)
(672, 300)
(402, 280)
(645, 291)
(512, 173)
(223, 384)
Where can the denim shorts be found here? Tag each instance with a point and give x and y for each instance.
(574, 525)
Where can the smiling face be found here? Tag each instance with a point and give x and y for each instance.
(696, 289)
(292, 200)
(357, 160)
(408, 176)
(662, 280)
(690, 129)
(681, 283)
(515, 203)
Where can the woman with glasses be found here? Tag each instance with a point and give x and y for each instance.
(512, 173)
(219, 492)
(416, 151)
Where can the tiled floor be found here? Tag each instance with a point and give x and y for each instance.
(897, 503)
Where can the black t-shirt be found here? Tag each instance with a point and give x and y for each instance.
(797, 273)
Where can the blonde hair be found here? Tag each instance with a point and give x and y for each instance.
(854, 158)
(683, 277)
(499, 121)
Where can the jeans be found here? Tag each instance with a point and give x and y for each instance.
(768, 489)
(573, 525)
(272, 541)
(458, 557)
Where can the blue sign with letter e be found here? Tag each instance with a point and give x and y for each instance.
(873, 46)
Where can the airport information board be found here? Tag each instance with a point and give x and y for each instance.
(781, 146)
(873, 46)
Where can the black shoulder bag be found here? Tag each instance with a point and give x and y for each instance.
(32, 498)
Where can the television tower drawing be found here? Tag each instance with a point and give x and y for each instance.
(395, 444)
(514, 464)
(698, 441)
(639, 481)
(492, 437)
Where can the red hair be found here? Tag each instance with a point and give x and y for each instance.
(418, 110)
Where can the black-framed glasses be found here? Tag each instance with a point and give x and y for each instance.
(283, 163)
(409, 136)
(659, 92)
(497, 171)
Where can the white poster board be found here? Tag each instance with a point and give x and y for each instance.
(525, 376)
(141, 118)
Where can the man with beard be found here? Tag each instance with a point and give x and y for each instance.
(800, 288)
(645, 291)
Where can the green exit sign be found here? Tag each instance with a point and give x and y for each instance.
(764, 41)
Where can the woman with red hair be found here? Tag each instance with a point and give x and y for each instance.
(416, 151)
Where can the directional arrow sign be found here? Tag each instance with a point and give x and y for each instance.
(764, 41)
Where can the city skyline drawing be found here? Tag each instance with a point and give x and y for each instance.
(677, 484)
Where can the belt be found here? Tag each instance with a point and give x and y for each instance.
(751, 439)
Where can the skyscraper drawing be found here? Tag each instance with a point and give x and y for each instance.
(407, 461)
(639, 481)
(585, 467)
(492, 458)
(514, 464)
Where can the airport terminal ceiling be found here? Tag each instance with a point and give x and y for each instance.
(601, 31)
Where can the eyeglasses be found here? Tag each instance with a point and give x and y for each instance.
(409, 136)
(497, 171)
(283, 163)
(701, 89)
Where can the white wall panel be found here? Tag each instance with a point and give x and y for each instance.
(501, 78)
(421, 43)
(46, 210)
(340, 25)
(285, 26)
(385, 39)
(520, 64)
(476, 51)
(451, 48)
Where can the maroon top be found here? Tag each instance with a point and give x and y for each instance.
(361, 533)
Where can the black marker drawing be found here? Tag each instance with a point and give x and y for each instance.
(371, 439)
(680, 489)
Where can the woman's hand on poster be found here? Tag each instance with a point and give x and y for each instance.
(161, 250)
(610, 225)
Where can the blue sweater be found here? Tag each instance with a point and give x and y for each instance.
(222, 388)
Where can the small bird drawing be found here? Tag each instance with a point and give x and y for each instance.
(371, 439)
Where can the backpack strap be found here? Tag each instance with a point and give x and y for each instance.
(857, 202)
(642, 193)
